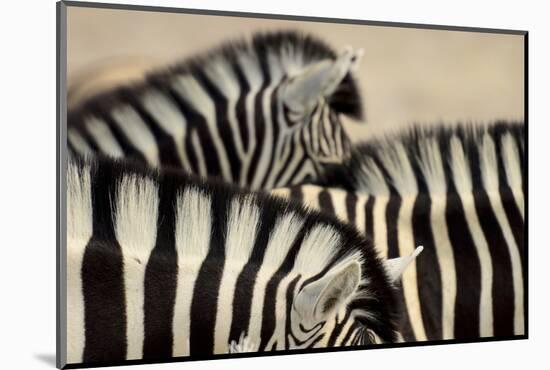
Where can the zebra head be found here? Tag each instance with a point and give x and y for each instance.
(351, 302)
(313, 102)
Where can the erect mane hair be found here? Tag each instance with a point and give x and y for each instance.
(293, 49)
(374, 302)
(437, 159)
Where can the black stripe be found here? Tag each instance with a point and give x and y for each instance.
(428, 272)
(102, 278)
(325, 202)
(166, 144)
(503, 288)
(240, 106)
(289, 297)
(246, 280)
(222, 122)
(515, 220)
(204, 305)
(369, 218)
(296, 194)
(468, 270)
(338, 329)
(351, 203)
(161, 278)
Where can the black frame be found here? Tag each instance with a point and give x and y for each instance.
(61, 165)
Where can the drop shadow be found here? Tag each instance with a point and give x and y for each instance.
(47, 358)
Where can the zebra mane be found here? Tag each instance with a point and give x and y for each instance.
(293, 50)
(438, 159)
(139, 196)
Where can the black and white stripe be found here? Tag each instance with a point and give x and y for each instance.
(459, 192)
(259, 114)
(161, 264)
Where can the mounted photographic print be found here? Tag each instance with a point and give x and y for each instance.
(235, 184)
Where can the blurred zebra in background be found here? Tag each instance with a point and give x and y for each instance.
(459, 192)
(260, 114)
(162, 264)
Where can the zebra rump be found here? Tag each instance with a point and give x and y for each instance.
(162, 264)
(261, 114)
(459, 192)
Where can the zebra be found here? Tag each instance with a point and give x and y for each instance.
(164, 264)
(459, 192)
(263, 113)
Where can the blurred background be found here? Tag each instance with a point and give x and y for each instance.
(406, 75)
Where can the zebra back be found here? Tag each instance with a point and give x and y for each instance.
(458, 192)
(163, 264)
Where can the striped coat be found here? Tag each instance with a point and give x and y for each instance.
(260, 114)
(163, 264)
(459, 192)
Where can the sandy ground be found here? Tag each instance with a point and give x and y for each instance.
(406, 75)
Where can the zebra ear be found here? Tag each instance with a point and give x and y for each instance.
(319, 80)
(327, 295)
(396, 266)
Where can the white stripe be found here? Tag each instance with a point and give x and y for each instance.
(192, 92)
(170, 119)
(193, 229)
(79, 232)
(137, 133)
(281, 193)
(242, 227)
(311, 196)
(445, 259)
(463, 182)
(197, 149)
(275, 74)
(379, 225)
(513, 170)
(338, 197)
(78, 142)
(280, 240)
(409, 278)
(135, 220)
(360, 214)
(103, 137)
